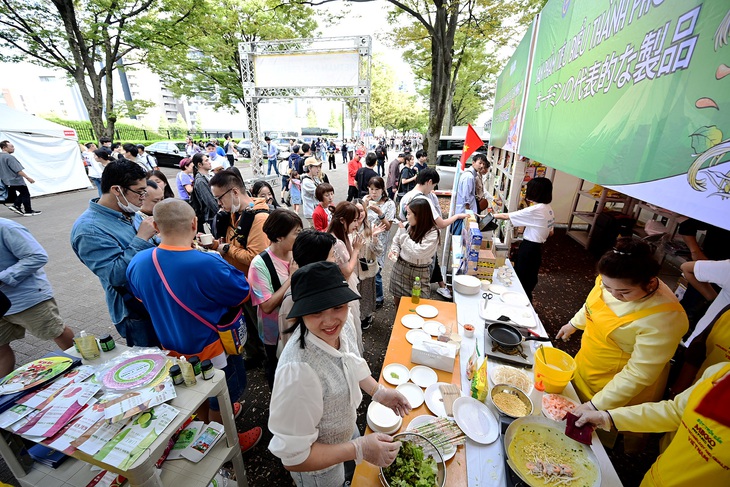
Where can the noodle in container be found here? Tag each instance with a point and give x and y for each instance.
(510, 401)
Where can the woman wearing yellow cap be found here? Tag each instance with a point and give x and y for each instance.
(632, 324)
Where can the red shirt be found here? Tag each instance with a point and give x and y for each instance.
(352, 168)
(320, 219)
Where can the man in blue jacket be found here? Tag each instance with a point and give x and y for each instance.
(105, 240)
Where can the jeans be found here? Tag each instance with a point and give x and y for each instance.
(333, 477)
(272, 162)
(97, 184)
(236, 380)
(138, 332)
(379, 287)
(381, 167)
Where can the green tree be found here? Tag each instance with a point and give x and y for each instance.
(311, 117)
(439, 37)
(89, 40)
(390, 107)
(205, 61)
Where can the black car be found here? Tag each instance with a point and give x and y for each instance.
(167, 153)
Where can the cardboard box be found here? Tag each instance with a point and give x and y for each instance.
(437, 355)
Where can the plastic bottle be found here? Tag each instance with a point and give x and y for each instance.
(416, 292)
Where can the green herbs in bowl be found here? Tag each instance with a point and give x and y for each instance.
(411, 468)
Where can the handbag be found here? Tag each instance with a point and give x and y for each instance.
(483, 204)
(367, 266)
(232, 327)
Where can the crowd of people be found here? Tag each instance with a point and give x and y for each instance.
(303, 286)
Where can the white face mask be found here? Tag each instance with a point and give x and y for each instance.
(237, 207)
(126, 207)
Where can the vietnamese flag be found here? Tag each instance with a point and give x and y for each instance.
(471, 143)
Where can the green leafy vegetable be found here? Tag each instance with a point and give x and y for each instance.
(411, 468)
(394, 375)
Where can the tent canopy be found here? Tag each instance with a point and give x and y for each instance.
(48, 151)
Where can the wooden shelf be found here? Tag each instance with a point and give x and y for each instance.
(587, 216)
(579, 236)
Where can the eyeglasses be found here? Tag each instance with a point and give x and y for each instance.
(141, 193)
(219, 198)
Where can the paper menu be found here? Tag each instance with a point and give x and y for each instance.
(186, 438)
(124, 449)
(61, 410)
(92, 415)
(94, 439)
(41, 399)
(133, 403)
(14, 414)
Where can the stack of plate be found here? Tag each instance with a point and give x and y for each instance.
(382, 419)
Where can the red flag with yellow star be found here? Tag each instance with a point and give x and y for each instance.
(471, 143)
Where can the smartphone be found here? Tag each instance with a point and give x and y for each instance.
(204, 442)
(363, 265)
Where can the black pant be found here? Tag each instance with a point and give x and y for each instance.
(254, 347)
(271, 362)
(231, 159)
(436, 275)
(529, 258)
(331, 160)
(19, 195)
(352, 193)
(381, 167)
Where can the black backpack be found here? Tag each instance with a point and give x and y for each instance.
(223, 220)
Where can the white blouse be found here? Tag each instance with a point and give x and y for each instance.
(413, 252)
(315, 398)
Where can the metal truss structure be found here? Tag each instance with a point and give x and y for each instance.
(253, 94)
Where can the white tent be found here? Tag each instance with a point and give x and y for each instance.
(48, 151)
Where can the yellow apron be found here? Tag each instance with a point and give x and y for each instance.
(718, 343)
(600, 359)
(700, 451)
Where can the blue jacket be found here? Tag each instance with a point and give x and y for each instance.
(22, 258)
(105, 241)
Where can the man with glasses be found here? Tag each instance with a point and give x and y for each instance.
(242, 238)
(105, 240)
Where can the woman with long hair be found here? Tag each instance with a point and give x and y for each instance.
(159, 177)
(262, 189)
(381, 211)
(368, 263)
(344, 223)
(413, 248)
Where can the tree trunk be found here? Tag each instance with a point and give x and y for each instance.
(442, 43)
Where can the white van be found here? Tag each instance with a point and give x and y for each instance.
(448, 155)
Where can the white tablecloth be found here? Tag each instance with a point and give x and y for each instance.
(485, 463)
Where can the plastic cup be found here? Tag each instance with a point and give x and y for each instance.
(206, 239)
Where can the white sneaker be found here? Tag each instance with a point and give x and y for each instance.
(444, 291)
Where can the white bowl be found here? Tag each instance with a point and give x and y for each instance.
(467, 285)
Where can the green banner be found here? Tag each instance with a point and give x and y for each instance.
(631, 91)
(509, 96)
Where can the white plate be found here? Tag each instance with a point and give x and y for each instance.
(434, 328)
(427, 311)
(423, 376)
(545, 411)
(498, 289)
(434, 399)
(476, 420)
(417, 335)
(413, 393)
(383, 419)
(412, 321)
(425, 419)
(514, 298)
(495, 370)
(400, 374)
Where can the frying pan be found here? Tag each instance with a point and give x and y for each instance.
(509, 337)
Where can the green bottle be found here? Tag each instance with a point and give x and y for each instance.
(416, 292)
